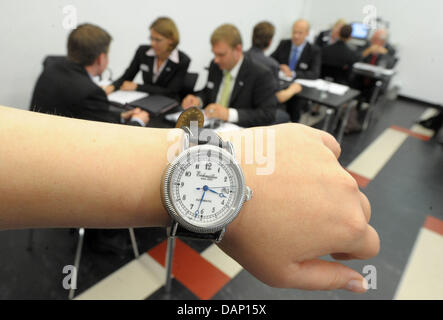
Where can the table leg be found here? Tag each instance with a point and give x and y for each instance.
(372, 103)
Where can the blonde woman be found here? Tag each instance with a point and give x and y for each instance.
(163, 66)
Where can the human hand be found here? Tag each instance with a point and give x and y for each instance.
(381, 50)
(286, 70)
(190, 101)
(109, 89)
(217, 111)
(141, 115)
(128, 114)
(129, 86)
(307, 208)
(295, 88)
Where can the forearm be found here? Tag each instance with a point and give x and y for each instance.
(62, 172)
(366, 52)
(284, 95)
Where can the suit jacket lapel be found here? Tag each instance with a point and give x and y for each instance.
(217, 82)
(303, 54)
(239, 80)
(150, 64)
(167, 70)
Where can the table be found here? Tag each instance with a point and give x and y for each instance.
(334, 103)
(382, 77)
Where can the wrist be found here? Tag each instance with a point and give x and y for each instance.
(249, 168)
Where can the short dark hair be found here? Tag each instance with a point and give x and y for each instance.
(346, 31)
(86, 43)
(262, 34)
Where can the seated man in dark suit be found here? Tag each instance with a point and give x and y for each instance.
(339, 56)
(66, 87)
(298, 60)
(238, 90)
(378, 51)
(297, 57)
(261, 40)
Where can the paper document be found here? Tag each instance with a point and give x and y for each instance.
(319, 84)
(284, 77)
(375, 69)
(124, 97)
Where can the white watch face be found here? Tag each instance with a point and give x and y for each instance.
(206, 188)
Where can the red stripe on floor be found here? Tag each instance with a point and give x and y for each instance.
(434, 224)
(411, 133)
(192, 270)
(361, 181)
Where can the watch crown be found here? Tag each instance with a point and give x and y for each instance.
(248, 193)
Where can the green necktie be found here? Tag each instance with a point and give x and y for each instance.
(224, 97)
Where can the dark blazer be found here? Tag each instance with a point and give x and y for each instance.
(259, 56)
(384, 60)
(339, 54)
(323, 39)
(170, 80)
(65, 88)
(253, 94)
(308, 65)
(337, 61)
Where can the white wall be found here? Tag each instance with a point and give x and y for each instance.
(416, 29)
(33, 29)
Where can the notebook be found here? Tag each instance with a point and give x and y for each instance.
(154, 104)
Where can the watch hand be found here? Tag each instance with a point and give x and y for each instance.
(221, 187)
(220, 194)
(205, 188)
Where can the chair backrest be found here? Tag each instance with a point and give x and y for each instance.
(339, 74)
(50, 60)
(189, 84)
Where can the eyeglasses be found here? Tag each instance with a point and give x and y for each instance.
(153, 39)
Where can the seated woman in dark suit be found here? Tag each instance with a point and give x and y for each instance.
(163, 66)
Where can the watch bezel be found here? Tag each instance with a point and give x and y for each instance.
(175, 213)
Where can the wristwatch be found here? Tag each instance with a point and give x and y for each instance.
(203, 189)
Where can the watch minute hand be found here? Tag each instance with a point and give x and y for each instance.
(220, 194)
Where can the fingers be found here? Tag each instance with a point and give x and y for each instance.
(330, 142)
(366, 206)
(369, 245)
(324, 275)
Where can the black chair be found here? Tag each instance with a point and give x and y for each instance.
(188, 84)
(50, 60)
(338, 74)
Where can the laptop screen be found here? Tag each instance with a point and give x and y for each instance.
(360, 30)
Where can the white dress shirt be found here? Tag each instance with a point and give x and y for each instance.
(173, 56)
